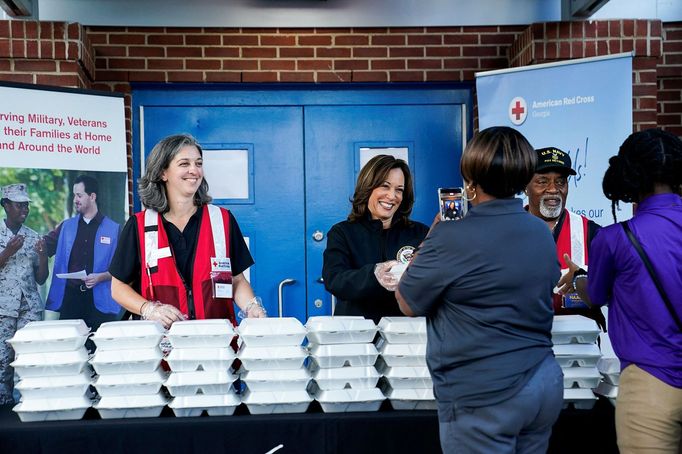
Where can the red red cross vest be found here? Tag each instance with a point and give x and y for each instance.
(572, 240)
(160, 279)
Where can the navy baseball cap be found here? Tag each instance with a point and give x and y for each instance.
(553, 159)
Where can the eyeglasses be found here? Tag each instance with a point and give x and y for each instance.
(543, 183)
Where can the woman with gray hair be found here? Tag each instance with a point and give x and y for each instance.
(181, 258)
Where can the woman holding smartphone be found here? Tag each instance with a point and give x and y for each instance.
(485, 285)
(377, 235)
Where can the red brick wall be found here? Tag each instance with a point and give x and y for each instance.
(48, 53)
(670, 80)
(299, 55)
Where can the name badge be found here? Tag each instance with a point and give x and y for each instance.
(105, 240)
(573, 301)
(161, 253)
(221, 265)
(222, 290)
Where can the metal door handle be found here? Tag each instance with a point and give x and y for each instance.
(279, 292)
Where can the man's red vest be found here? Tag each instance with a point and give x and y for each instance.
(160, 279)
(572, 240)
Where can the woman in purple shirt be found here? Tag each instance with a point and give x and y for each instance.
(644, 332)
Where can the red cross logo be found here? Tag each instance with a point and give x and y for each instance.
(517, 110)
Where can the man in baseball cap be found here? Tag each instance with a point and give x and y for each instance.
(552, 158)
(547, 193)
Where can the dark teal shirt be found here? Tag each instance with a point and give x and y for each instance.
(485, 284)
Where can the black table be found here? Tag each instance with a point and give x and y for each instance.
(409, 432)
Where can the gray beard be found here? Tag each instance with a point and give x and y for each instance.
(550, 212)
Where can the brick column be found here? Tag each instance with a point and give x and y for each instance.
(555, 41)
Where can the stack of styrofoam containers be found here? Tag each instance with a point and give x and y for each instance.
(52, 364)
(200, 361)
(609, 367)
(407, 383)
(273, 365)
(576, 351)
(343, 358)
(127, 361)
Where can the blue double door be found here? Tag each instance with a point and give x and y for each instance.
(298, 153)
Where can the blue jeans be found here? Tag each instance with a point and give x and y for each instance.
(521, 424)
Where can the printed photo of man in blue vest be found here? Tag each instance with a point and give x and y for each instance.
(85, 243)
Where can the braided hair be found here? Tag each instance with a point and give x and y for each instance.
(646, 157)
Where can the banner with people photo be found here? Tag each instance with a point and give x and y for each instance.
(63, 165)
(583, 107)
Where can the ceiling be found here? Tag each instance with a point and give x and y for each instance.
(334, 13)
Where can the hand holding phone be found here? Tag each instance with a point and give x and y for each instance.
(450, 204)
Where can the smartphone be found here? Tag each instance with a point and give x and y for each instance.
(450, 203)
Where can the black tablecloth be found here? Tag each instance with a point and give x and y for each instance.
(385, 431)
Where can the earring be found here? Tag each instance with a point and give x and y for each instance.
(469, 189)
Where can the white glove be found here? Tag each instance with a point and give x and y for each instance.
(388, 280)
(164, 313)
(254, 309)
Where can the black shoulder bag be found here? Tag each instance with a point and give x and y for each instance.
(652, 273)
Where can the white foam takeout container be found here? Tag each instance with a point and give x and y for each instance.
(581, 398)
(340, 329)
(574, 329)
(406, 377)
(583, 355)
(51, 363)
(403, 354)
(211, 333)
(261, 332)
(411, 399)
(608, 366)
(53, 409)
(349, 400)
(127, 384)
(340, 355)
(361, 377)
(128, 334)
(270, 402)
(205, 358)
(126, 361)
(581, 377)
(147, 406)
(199, 382)
(276, 380)
(50, 336)
(263, 358)
(64, 386)
(215, 405)
(403, 330)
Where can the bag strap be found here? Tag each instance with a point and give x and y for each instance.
(652, 272)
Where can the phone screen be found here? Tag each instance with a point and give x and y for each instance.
(451, 205)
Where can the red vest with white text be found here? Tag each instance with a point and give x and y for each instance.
(160, 279)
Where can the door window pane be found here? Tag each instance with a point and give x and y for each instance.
(227, 173)
(367, 153)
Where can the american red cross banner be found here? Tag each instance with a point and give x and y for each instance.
(583, 107)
